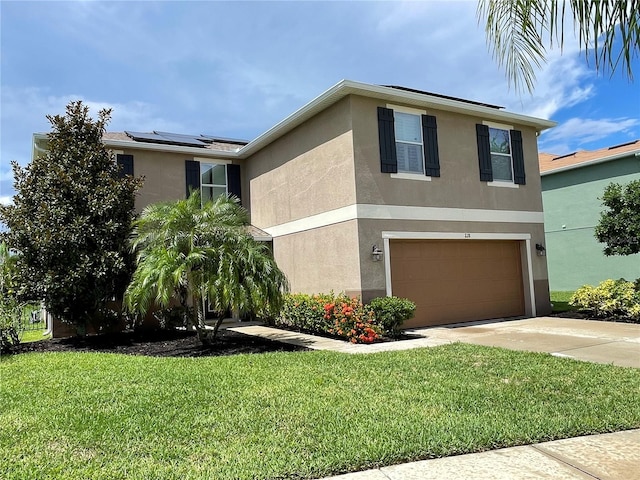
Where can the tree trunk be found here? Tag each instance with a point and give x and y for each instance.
(199, 324)
(216, 327)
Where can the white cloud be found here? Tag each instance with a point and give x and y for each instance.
(6, 200)
(574, 133)
(28, 107)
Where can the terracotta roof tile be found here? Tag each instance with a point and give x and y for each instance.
(549, 161)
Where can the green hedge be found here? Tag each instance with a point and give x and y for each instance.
(392, 312)
(345, 317)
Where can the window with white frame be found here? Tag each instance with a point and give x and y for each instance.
(409, 142)
(501, 161)
(213, 181)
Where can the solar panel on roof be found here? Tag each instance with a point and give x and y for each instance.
(145, 137)
(234, 141)
(183, 140)
(166, 138)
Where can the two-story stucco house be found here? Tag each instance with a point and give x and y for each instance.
(379, 190)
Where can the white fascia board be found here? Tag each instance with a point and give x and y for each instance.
(126, 144)
(595, 161)
(348, 87)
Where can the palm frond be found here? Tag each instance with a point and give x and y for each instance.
(608, 31)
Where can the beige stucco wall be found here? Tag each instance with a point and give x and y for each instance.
(321, 259)
(309, 170)
(459, 185)
(164, 174)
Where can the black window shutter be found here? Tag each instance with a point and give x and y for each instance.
(125, 163)
(518, 157)
(430, 139)
(192, 175)
(484, 153)
(387, 137)
(233, 180)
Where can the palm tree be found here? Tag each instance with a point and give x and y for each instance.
(517, 31)
(187, 252)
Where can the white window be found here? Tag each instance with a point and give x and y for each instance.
(213, 181)
(500, 147)
(409, 146)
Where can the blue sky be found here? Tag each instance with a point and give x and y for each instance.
(236, 68)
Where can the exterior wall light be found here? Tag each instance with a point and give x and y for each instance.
(376, 253)
(540, 250)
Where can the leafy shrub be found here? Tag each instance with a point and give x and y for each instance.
(337, 315)
(349, 318)
(392, 312)
(10, 324)
(611, 298)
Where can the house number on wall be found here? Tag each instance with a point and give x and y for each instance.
(467, 235)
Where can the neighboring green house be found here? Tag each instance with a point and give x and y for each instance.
(572, 186)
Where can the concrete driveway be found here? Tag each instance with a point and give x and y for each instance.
(589, 340)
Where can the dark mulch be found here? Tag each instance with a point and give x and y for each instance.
(160, 344)
(586, 316)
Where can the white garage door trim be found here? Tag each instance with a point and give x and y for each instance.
(526, 237)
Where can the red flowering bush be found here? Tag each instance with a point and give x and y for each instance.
(347, 317)
(337, 315)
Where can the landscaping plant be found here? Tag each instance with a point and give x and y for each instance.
(344, 316)
(70, 220)
(10, 309)
(619, 225)
(611, 298)
(188, 252)
(392, 312)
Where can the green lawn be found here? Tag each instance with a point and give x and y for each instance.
(560, 301)
(292, 415)
(33, 335)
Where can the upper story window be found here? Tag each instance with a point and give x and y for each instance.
(500, 155)
(500, 147)
(408, 131)
(213, 181)
(408, 142)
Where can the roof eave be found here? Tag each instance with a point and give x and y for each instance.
(595, 161)
(126, 144)
(349, 87)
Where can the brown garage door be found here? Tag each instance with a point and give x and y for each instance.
(457, 280)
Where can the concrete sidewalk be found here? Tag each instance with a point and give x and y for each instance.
(612, 456)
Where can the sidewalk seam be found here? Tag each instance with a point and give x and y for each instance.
(543, 451)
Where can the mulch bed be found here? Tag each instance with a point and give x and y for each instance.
(160, 344)
(586, 316)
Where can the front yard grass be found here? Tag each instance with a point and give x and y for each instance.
(560, 300)
(34, 336)
(292, 415)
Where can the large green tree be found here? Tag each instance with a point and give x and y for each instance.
(187, 253)
(519, 31)
(619, 225)
(70, 220)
